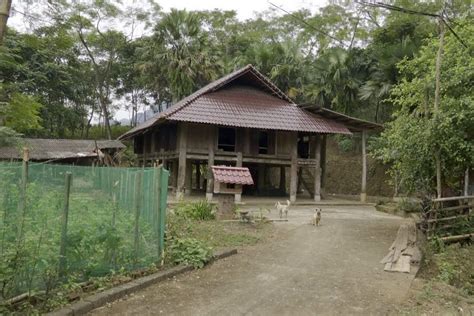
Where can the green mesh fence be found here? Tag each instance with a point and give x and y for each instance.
(113, 219)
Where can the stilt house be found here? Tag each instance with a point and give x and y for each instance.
(241, 119)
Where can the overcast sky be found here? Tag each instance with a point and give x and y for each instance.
(245, 8)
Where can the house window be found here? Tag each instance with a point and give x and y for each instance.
(138, 144)
(266, 142)
(226, 139)
(263, 142)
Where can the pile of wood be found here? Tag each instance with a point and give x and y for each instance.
(403, 252)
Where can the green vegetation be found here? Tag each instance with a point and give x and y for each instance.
(187, 228)
(201, 210)
(445, 283)
(418, 130)
(79, 63)
(189, 251)
(111, 228)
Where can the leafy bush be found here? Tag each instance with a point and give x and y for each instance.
(189, 251)
(201, 211)
(345, 143)
(408, 205)
(450, 264)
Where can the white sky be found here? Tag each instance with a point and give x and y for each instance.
(245, 9)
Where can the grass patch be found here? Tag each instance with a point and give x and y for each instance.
(445, 283)
(218, 234)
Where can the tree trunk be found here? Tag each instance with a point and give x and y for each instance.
(5, 6)
(436, 103)
(89, 124)
(103, 104)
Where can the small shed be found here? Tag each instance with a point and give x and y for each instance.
(67, 151)
(228, 182)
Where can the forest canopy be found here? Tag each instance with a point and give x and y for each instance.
(79, 62)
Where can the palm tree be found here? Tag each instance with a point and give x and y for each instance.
(333, 84)
(179, 56)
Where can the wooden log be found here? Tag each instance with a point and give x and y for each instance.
(401, 265)
(449, 218)
(401, 242)
(457, 237)
(454, 208)
(389, 257)
(454, 198)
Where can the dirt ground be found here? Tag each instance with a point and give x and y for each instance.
(303, 270)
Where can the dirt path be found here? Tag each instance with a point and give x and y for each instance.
(328, 270)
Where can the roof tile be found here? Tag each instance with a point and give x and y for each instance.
(232, 175)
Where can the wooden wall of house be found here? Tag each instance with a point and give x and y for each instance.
(163, 136)
(284, 141)
(199, 136)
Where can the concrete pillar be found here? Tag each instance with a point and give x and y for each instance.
(363, 189)
(210, 162)
(238, 196)
(294, 168)
(182, 147)
(317, 169)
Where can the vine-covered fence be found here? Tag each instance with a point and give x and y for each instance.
(62, 223)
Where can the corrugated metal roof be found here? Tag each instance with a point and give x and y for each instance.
(232, 175)
(353, 123)
(46, 149)
(278, 111)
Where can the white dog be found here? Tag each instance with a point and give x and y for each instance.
(282, 208)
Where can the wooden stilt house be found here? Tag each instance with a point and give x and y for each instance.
(241, 119)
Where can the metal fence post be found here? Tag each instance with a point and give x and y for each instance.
(164, 175)
(138, 200)
(22, 193)
(63, 245)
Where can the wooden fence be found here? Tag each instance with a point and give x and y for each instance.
(449, 219)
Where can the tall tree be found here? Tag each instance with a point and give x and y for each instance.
(5, 6)
(179, 57)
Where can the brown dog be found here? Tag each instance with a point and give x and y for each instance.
(317, 217)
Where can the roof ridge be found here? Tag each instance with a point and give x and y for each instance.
(210, 87)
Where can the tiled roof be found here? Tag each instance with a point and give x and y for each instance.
(46, 149)
(244, 98)
(245, 106)
(235, 175)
